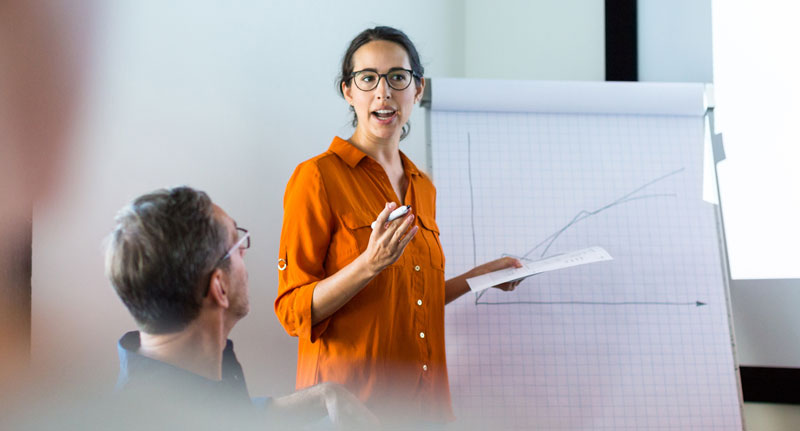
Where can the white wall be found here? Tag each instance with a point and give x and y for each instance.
(228, 100)
(543, 39)
(771, 417)
(674, 40)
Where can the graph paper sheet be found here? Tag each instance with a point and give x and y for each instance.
(639, 342)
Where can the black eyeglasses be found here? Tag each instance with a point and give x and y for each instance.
(243, 242)
(397, 78)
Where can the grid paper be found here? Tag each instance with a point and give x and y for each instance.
(641, 342)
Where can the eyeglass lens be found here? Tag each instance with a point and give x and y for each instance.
(367, 80)
(241, 233)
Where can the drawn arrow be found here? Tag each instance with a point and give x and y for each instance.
(695, 303)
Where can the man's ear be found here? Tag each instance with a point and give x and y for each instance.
(218, 288)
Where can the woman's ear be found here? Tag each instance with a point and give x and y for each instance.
(347, 93)
(218, 288)
(420, 90)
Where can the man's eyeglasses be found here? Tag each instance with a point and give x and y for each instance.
(242, 243)
(397, 78)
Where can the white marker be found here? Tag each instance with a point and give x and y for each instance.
(396, 214)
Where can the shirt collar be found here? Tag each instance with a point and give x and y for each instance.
(131, 362)
(353, 156)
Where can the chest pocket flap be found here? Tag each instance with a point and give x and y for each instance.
(430, 233)
(352, 237)
(356, 221)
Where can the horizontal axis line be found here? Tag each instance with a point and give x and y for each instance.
(695, 303)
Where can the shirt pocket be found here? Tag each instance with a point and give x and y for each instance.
(352, 239)
(430, 233)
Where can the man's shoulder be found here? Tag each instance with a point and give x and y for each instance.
(142, 376)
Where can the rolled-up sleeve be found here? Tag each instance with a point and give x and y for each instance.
(305, 238)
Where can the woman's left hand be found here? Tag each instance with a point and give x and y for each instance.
(457, 286)
(496, 265)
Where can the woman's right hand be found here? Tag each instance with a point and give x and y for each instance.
(388, 240)
(386, 244)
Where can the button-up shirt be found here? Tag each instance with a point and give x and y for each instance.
(387, 343)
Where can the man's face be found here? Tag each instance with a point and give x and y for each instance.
(237, 277)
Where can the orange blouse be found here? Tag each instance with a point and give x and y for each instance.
(386, 345)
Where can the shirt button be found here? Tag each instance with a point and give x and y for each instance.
(425, 367)
(416, 268)
(421, 335)
(419, 302)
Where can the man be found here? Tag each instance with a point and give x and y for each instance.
(176, 261)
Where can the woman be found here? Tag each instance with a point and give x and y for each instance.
(368, 304)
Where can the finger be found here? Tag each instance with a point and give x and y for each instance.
(391, 232)
(509, 286)
(407, 239)
(384, 215)
(503, 263)
(508, 262)
(402, 228)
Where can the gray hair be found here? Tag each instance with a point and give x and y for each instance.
(160, 256)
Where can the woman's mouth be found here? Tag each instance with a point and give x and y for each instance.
(385, 115)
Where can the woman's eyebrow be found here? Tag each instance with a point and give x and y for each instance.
(372, 69)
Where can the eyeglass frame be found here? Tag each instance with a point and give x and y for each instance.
(236, 246)
(385, 77)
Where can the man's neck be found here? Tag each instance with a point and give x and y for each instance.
(195, 348)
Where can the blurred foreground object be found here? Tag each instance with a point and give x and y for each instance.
(43, 57)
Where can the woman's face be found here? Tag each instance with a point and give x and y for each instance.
(383, 111)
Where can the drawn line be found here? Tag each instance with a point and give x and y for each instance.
(580, 216)
(471, 201)
(583, 214)
(695, 303)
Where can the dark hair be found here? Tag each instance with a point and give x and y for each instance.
(380, 33)
(161, 254)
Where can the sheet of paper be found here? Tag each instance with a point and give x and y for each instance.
(529, 268)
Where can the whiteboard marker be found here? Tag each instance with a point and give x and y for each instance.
(396, 214)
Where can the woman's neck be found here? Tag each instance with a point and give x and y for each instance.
(384, 151)
(387, 153)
